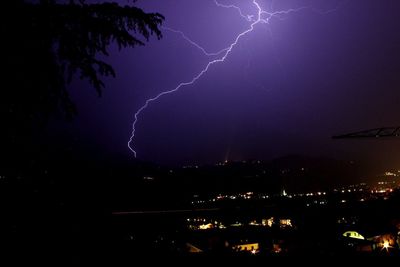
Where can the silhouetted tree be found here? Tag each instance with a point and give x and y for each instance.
(45, 43)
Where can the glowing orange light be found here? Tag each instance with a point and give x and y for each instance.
(386, 245)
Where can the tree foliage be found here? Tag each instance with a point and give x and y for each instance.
(46, 43)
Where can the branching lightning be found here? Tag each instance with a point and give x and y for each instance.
(261, 17)
(194, 43)
(246, 17)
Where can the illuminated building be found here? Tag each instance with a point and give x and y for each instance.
(252, 247)
(206, 226)
(353, 234)
(285, 223)
(268, 222)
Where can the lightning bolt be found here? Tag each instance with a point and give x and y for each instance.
(194, 43)
(246, 17)
(261, 17)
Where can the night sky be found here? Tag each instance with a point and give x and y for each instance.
(286, 88)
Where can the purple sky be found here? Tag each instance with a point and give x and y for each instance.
(286, 88)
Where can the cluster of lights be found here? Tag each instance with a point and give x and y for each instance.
(205, 224)
(351, 188)
(387, 183)
(391, 174)
(317, 198)
(252, 195)
(252, 248)
(243, 196)
(382, 191)
(309, 194)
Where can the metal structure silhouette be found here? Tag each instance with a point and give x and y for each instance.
(383, 132)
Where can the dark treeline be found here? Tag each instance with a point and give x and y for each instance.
(49, 196)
